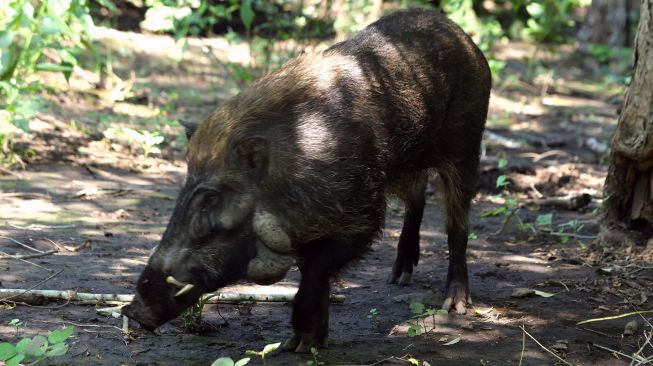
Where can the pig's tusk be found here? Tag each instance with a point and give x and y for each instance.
(173, 281)
(184, 290)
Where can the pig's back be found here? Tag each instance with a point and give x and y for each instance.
(419, 69)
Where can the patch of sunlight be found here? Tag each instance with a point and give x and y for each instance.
(567, 101)
(530, 107)
(239, 54)
(276, 289)
(36, 205)
(520, 259)
(136, 110)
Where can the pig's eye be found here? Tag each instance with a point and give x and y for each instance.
(210, 200)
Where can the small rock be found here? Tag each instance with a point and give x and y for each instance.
(560, 345)
(631, 327)
(426, 298)
(521, 292)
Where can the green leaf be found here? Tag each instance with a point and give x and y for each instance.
(502, 181)
(224, 361)
(543, 294)
(59, 7)
(503, 163)
(544, 220)
(6, 37)
(494, 212)
(414, 361)
(15, 361)
(7, 351)
(271, 347)
(247, 13)
(417, 308)
(20, 346)
(67, 57)
(59, 336)
(22, 123)
(242, 362)
(452, 342)
(37, 346)
(58, 349)
(50, 67)
(414, 331)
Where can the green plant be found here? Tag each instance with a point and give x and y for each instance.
(267, 349)
(228, 361)
(37, 349)
(417, 324)
(544, 221)
(548, 19)
(191, 319)
(147, 140)
(39, 36)
(314, 361)
(374, 312)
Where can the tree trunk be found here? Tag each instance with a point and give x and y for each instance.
(608, 22)
(628, 192)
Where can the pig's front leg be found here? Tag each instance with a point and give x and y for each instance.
(319, 261)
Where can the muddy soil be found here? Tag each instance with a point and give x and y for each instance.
(104, 206)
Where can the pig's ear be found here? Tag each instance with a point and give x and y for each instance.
(190, 127)
(252, 153)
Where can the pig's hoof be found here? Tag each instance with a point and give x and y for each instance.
(298, 345)
(458, 298)
(291, 344)
(404, 279)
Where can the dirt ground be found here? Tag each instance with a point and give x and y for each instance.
(104, 206)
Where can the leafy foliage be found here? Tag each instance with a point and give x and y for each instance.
(36, 349)
(39, 36)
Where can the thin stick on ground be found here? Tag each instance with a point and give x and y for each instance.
(637, 359)
(37, 227)
(26, 261)
(29, 295)
(523, 348)
(639, 353)
(615, 316)
(20, 257)
(543, 347)
(33, 287)
(61, 248)
(21, 244)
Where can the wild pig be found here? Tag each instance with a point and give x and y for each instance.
(294, 170)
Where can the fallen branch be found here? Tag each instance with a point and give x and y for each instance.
(34, 286)
(570, 202)
(543, 347)
(26, 261)
(21, 244)
(596, 146)
(39, 227)
(36, 296)
(502, 140)
(19, 257)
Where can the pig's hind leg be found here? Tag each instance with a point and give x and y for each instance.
(413, 193)
(459, 183)
(310, 315)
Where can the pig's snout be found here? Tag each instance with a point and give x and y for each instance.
(160, 298)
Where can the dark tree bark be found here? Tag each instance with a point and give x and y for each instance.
(628, 193)
(608, 22)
